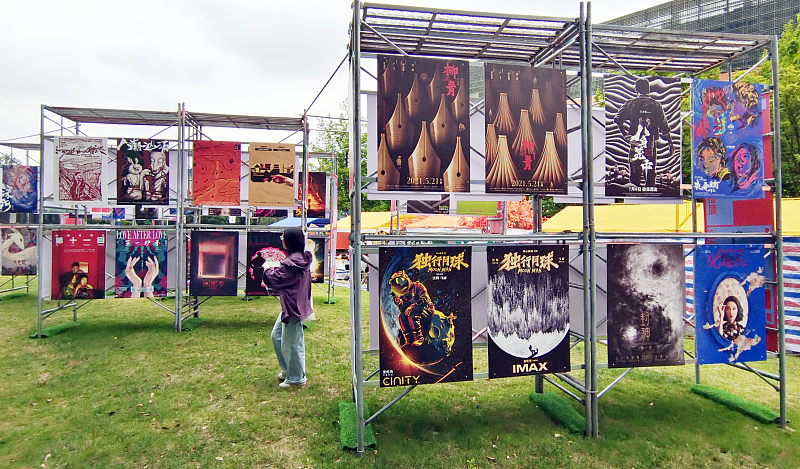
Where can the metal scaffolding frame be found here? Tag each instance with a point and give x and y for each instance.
(573, 43)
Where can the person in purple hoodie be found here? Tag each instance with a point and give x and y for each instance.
(292, 278)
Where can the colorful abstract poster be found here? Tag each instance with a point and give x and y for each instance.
(729, 303)
(272, 175)
(316, 246)
(315, 208)
(526, 132)
(646, 302)
(643, 136)
(141, 264)
(79, 264)
(727, 145)
(81, 169)
(19, 188)
(528, 310)
(264, 249)
(20, 254)
(215, 172)
(213, 263)
(423, 124)
(142, 171)
(425, 315)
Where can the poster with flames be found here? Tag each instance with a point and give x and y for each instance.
(213, 263)
(730, 303)
(526, 133)
(728, 140)
(20, 254)
(81, 169)
(272, 175)
(19, 188)
(528, 310)
(215, 172)
(316, 246)
(423, 124)
(142, 171)
(141, 264)
(264, 249)
(425, 315)
(643, 136)
(646, 302)
(79, 264)
(317, 192)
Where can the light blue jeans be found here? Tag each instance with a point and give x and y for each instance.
(290, 348)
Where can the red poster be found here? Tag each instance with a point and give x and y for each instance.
(215, 172)
(79, 264)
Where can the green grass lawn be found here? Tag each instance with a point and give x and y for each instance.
(122, 390)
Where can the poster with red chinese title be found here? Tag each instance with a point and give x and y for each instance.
(81, 169)
(423, 124)
(142, 171)
(79, 264)
(273, 175)
(215, 172)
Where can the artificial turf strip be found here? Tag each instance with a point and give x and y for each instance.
(191, 324)
(348, 433)
(53, 330)
(560, 411)
(752, 409)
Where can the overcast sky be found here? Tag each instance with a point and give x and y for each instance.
(252, 57)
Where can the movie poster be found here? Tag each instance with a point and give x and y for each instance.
(79, 264)
(643, 136)
(315, 208)
(213, 263)
(526, 132)
(272, 175)
(316, 246)
(20, 254)
(730, 303)
(19, 188)
(528, 310)
(425, 315)
(646, 302)
(264, 249)
(81, 169)
(142, 171)
(215, 172)
(423, 124)
(727, 146)
(141, 264)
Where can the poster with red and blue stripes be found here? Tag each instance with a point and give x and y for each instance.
(791, 292)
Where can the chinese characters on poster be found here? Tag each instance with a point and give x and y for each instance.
(142, 171)
(81, 169)
(215, 172)
(19, 188)
(20, 255)
(272, 175)
(79, 264)
(141, 264)
(213, 261)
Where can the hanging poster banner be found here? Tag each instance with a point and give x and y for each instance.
(646, 302)
(142, 171)
(317, 192)
(727, 147)
(272, 175)
(20, 254)
(643, 136)
(425, 315)
(19, 188)
(215, 172)
(81, 169)
(141, 264)
(79, 264)
(526, 133)
(316, 246)
(264, 249)
(729, 303)
(212, 270)
(528, 310)
(423, 124)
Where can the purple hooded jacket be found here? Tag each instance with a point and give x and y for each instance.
(293, 280)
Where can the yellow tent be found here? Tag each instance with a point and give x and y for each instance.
(370, 221)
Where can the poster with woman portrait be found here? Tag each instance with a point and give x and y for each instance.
(213, 263)
(20, 254)
(425, 315)
(271, 182)
(264, 250)
(646, 302)
(141, 264)
(528, 310)
(80, 164)
(79, 264)
(730, 303)
(727, 145)
(215, 172)
(142, 171)
(19, 188)
(643, 136)
(526, 133)
(423, 124)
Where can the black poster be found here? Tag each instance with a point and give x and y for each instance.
(213, 263)
(264, 250)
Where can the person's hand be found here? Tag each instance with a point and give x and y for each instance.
(152, 273)
(279, 178)
(130, 274)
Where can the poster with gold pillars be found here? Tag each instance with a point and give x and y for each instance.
(423, 124)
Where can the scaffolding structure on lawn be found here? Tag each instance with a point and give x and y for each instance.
(573, 43)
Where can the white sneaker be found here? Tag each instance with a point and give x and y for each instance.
(286, 385)
(281, 375)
